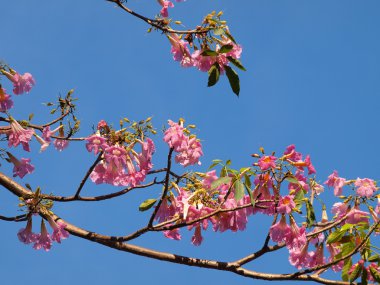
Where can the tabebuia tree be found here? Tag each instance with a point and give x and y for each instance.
(185, 195)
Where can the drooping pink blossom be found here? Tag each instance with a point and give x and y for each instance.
(377, 209)
(47, 133)
(264, 199)
(21, 83)
(209, 178)
(197, 238)
(165, 5)
(286, 205)
(20, 167)
(317, 257)
(365, 187)
(144, 159)
(180, 51)
(337, 182)
(60, 144)
(59, 230)
(300, 257)
(96, 143)
(44, 144)
(102, 125)
(296, 237)
(26, 235)
(18, 134)
(203, 63)
(339, 209)
(190, 152)
(334, 250)
(43, 239)
(266, 162)
(165, 212)
(173, 234)
(6, 102)
(356, 216)
(280, 230)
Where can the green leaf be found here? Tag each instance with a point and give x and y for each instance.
(226, 48)
(218, 32)
(247, 181)
(335, 236)
(292, 180)
(347, 248)
(233, 78)
(230, 37)
(356, 273)
(364, 280)
(310, 216)
(236, 62)
(147, 204)
(346, 267)
(217, 161)
(375, 274)
(213, 75)
(209, 52)
(374, 258)
(239, 190)
(220, 181)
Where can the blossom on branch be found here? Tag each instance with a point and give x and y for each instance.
(18, 134)
(21, 83)
(6, 102)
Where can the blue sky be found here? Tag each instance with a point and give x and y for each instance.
(312, 79)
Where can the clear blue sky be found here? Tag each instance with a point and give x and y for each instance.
(312, 80)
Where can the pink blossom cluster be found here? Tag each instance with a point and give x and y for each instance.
(188, 148)
(120, 166)
(198, 59)
(43, 239)
(365, 187)
(189, 210)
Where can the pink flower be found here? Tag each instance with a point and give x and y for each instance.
(189, 148)
(190, 152)
(300, 257)
(26, 235)
(165, 212)
(96, 143)
(292, 154)
(317, 188)
(165, 5)
(59, 231)
(203, 63)
(334, 250)
(145, 158)
(102, 125)
(296, 237)
(339, 209)
(365, 187)
(173, 234)
(286, 205)
(267, 162)
(301, 185)
(309, 165)
(174, 135)
(44, 144)
(317, 257)
(43, 239)
(46, 133)
(60, 144)
(279, 231)
(180, 51)
(209, 178)
(377, 209)
(6, 102)
(21, 167)
(197, 237)
(18, 135)
(21, 83)
(337, 182)
(356, 216)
